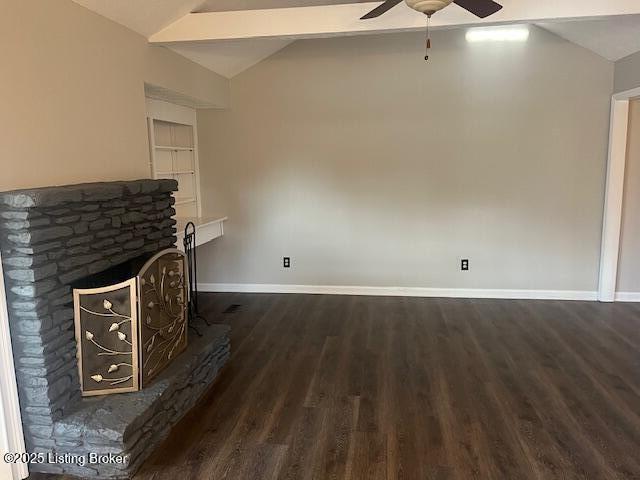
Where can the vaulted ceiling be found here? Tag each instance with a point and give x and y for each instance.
(613, 37)
(229, 36)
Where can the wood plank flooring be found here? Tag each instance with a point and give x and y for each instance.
(338, 387)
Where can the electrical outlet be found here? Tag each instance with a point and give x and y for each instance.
(464, 265)
(286, 262)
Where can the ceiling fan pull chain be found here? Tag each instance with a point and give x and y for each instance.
(428, 41)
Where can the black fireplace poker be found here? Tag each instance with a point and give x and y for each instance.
(192, 269)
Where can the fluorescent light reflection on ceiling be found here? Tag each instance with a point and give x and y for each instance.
(498, 34)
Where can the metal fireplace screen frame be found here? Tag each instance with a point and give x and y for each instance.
(127, 333)
(107, 360)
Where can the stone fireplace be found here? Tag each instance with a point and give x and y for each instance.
(53, 239)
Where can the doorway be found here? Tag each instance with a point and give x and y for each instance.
(612, 230)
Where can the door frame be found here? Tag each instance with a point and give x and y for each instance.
(11, 435)
(614, 194)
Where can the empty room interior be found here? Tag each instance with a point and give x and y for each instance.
(320, 239)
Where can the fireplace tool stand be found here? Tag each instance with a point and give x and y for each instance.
(192, 269)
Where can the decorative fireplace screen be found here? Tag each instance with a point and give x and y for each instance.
(128, 332)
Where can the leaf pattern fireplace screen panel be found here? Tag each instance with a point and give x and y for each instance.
(106, 335)
(163, 312)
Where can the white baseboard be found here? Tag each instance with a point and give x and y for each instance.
(628, 297)
(400, 291)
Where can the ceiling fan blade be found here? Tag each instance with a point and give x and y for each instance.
(383, 8)
(480, 8)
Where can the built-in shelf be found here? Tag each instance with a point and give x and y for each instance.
(175, 149)
(170, 129)
(184, 201)
(207, 229)
(177, 172)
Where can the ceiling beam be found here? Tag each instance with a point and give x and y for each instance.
(333, 20)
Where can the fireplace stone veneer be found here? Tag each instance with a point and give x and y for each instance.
(51, 238)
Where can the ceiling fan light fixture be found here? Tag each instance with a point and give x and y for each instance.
(428, 6)
(480, 8)
(498, 34)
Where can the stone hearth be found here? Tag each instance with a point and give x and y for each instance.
(51, 238)
(133, 424)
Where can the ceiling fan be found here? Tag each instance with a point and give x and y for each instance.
(480, 8)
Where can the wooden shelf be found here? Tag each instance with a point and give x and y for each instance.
(207, 229)
(183, 201)
(175, 149)
(174, 155)
(177, 172)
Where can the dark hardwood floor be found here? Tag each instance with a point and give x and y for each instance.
(331, 387)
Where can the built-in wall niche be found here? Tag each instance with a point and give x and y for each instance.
(173, 146)
(174, 157)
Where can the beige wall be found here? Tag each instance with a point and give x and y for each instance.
(369, 167)
(72, 94)
(627, 73)
(629, 265)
